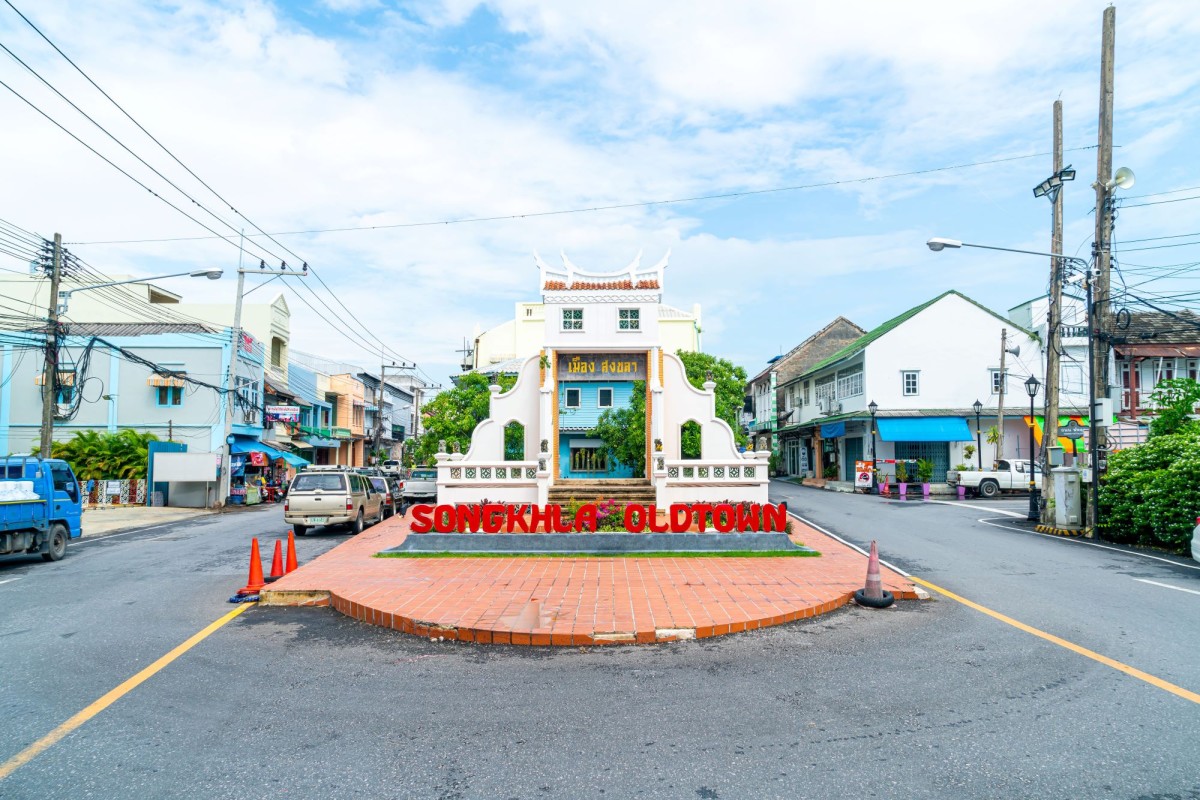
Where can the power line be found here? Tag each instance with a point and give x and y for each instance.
(612, 207)
(1160, 202)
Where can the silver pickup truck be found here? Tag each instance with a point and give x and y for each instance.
(421, 484)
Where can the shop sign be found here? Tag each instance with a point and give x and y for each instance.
(258, 459)
(602, 367)
(237, 464)
(862, 474)
(283, 413)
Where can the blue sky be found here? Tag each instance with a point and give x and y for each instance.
(351, 113)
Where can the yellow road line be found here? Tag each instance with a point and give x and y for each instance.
(54, 736)
(1049, 637)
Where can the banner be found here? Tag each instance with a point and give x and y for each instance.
(258, 459)
(237, 464)
(862, 474)
(283, 413)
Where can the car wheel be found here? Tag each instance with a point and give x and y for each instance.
(58, 544)
(989, 488)
(358, 523)
(299, 530)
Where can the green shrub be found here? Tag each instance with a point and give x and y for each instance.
(1151, 494)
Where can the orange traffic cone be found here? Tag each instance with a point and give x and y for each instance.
(255, 581)
(291, 555)
(276, 563)
(873, 595)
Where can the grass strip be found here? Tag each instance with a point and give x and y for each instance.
(655, 554)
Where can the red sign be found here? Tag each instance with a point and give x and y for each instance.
(258, 459)
(494, 518)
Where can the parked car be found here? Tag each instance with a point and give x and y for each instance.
(392, 468)
(332, 496)
(1010, 476)
(385, 487)
(421, 484)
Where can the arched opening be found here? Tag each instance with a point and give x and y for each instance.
(514, 441)
(689, 440)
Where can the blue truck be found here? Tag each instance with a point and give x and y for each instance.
(40, 506)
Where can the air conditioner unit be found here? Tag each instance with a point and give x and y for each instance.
(823, 404)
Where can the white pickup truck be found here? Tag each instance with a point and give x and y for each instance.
(421, 484)
(1011, 476)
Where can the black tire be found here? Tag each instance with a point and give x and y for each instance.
(58, 544)
(989, 488)
(358, 525)
(861, 598)
(299, 530)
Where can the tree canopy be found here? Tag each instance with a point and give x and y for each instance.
(97, 455)
(454, 413)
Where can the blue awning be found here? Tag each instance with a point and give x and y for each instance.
(924, 429)
(316, 441)
(250, 446)
(832, 430)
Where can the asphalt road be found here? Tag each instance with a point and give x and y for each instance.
(930, 699)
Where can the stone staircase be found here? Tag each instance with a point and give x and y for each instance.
(627, 490)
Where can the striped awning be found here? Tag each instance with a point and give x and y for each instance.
(166, 380)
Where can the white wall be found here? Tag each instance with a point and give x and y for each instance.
(955, 345)
(600, 328)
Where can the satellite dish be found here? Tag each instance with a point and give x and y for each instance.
(1016, 351)
(1124, 179)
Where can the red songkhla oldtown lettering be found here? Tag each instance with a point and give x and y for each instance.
(678, 518)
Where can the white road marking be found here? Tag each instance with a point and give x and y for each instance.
(100, 536)
(1073, 540)
(980, 508)
(10, 580)
(1166, 586)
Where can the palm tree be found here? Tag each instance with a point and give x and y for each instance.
(98, 456)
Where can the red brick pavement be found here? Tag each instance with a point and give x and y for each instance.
(575, 601)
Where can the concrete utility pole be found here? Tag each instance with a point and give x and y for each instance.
(1003, 386)
(231, 382)
(1097, 441)
(50, 368)
(1053, 326)
(383, 368)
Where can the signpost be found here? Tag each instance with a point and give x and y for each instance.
(1073, 431)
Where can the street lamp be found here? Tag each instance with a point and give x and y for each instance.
(64, 296)
(978, 406)
(873, 407)
(1031, 389)
(1085, 271)
(1050, 187)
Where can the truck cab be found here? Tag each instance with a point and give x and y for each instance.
(41, 507)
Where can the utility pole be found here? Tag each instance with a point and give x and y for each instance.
(383, 368)
(231, 381)
(170, 430)
(1053, 325)
(50, 368)
(1003, 386)
(1097, 442)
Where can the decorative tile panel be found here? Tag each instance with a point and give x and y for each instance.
(689, 472)
(673, 472)
(733, 471)
(703, 472)
(456, 472)
(470, 472)
(530, 472)
(718, 472)
(485, 472)
(748, 472)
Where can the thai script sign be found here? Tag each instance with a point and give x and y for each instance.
(283, 413)
(862, 474)
(602, 367)
(494, 517)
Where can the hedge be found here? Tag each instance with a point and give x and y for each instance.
(1151, 494)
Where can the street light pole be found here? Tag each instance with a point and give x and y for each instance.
(1031, 388)
(978, 434)
(231, 381)
(873, 407)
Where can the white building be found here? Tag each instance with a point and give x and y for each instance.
(924, 370)
(601, 340)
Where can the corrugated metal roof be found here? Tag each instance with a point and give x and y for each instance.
(136, 328)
